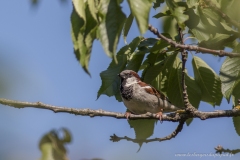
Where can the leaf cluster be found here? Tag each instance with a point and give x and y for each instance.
(158, 61)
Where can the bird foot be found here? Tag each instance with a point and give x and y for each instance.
(127, 115)
(160, 115)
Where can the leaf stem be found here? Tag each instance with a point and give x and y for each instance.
(203, 50)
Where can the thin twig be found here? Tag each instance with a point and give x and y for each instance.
(219, 53)
(179, 128)
(220, 149)
(184, 59)
(173, 117)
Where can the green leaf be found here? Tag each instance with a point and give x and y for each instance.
(177, 12)
(157, 3)
(192, 3)
(83, 35)
(79, 6)
(161, 14)
(157, 63)
(160, 45)
(140, 10)
(198, 24)
(160, 83)
(127, 27)
(208, 81)
(231, 8)
(92, 8)
(230, 76)
(143, 128)
(166, 75)
(67, 138)
(193, 90)
(169, 26)
(111, 26)
(236, 123)
(148, 42)
(174, 89)
(214, 19)
(236, 94)
(209, 13)
(52, 147)
(110, 80)
(216, 42)
(163, 75)
(135, 61)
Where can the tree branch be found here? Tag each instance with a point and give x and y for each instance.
(220, 149)
(219, 53)
(184, 59)
(179, 128)
(173, 117)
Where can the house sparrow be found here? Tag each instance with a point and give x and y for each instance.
(140, 98)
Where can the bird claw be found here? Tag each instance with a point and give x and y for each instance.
(127, 115)
(160, 116)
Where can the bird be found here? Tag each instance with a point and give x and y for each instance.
(140, 97)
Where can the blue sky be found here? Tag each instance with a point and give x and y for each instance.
(37, 64)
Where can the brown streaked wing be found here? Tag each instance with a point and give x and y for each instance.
(153, 91)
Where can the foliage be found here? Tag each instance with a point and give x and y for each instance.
(52, 145)
(203, 20)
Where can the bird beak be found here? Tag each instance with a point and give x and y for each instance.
(118, 75)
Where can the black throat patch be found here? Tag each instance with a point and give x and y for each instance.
(126, 92)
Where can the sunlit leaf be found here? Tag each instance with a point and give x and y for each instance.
(220, 26)
(192, 3)
(208, 81)
(66, 135)
(83, 35)
(161, 14)
(216, 42)
(53, 147)
(92, 8)
(177, 12)
(198, 24)
(127, 26)
(111, 26)
(230, 76)
(140, 10)
(231, 8)
(170, 26)
(79, 6)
